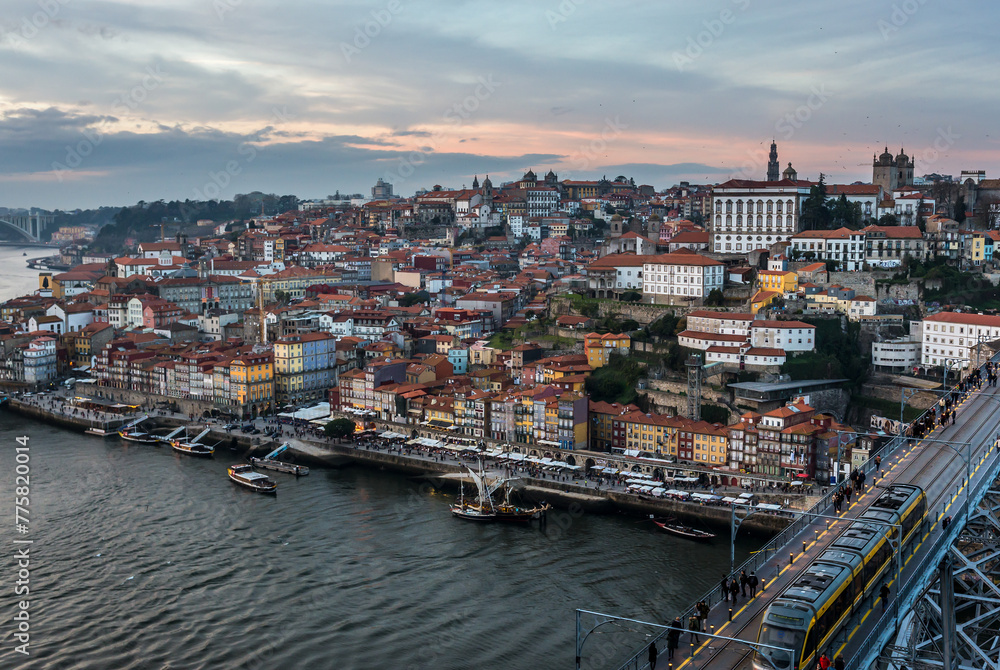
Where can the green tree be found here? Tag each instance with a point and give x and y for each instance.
(960, 207)
(411, 299)
(282, 296)
(631, 296)
(339, 428)
(715, 298)
(815, 210)
(888, 220)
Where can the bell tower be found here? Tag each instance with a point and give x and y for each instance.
(772, 163)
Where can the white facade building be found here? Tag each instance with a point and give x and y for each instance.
(951, 339)
(785, 335)
(899, 355)
(748, 215)
(842, 245)
(680, 275)
(727, 323)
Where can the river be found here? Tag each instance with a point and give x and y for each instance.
(17, 278)
(143, 558)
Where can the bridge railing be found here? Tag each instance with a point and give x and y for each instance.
(923, 575)
(759, 559)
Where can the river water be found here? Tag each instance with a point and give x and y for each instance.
(143, 558)
(16, 278)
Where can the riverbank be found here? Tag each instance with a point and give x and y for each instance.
(568, 495)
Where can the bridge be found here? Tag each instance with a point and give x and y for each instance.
(31, 226)
(957, 466)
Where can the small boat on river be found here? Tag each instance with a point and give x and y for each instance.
(246, 476)
(675, 527)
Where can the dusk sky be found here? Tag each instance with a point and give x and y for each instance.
(114, 102)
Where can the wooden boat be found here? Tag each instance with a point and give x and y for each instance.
(507, 510)
(480, 510)
(244, 475)
(139, 436)
(514, 513)
(675, 527)
(193, 448)
(280, 466)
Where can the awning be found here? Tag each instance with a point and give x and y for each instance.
(439, 423)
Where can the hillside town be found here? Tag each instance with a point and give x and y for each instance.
(768, 327)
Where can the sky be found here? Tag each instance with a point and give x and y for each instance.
(116, 101)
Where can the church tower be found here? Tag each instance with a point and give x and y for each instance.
(475, 183)
(884, 172)
(772, 163)
(488, 192)
(790, 173)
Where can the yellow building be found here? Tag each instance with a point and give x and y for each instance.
(251, 383)
(711, 444)
(778, 280)
(599, 348)
(762, 299)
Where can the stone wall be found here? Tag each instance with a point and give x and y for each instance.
(130, 397)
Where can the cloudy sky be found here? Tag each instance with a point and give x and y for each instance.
(116, 101)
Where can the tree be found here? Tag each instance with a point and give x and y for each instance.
(815, 211)
(411, 299)
(282, 296)
(631, 296)
(960, 209)
(339, 428)
(715, 298)
(888, 220)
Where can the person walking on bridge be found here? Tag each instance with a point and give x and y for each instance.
(884, 594)
(725, 588)
(652, 656)
(744, 582)
(673, 637)
(752, 581)
(693, 629)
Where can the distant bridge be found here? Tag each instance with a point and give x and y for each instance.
(31, 226)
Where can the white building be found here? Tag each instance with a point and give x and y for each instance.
(785, 335)
(951, 339)
(611, 275)
(728, 323)
(681, 275)
(887, 246)
(899, 355)
(843, 245)
(748, 215)
(40, 360)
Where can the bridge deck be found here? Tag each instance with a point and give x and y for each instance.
(933, 466)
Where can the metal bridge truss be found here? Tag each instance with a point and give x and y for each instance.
(958, 626)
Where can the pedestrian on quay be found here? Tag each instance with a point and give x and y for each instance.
(824, 661)
(693, 629)
(839, 663)
(673, 637)
(725, 588)
(884, 594)
(744, 582)
(652, 656)
(734, 588)
(752, 581)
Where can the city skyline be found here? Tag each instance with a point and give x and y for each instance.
(120, 102)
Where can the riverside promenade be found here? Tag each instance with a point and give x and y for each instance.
(440, 468)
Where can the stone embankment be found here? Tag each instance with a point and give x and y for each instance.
(562, 494)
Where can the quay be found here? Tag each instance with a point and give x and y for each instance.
(442, 471)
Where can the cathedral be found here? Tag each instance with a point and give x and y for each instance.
(892, 173)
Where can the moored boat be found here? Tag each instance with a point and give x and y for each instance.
(138, 436)
(675, 527)
(246, 476)
(480, 510)
(508, 512)
(193, 448)
(280, 466)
